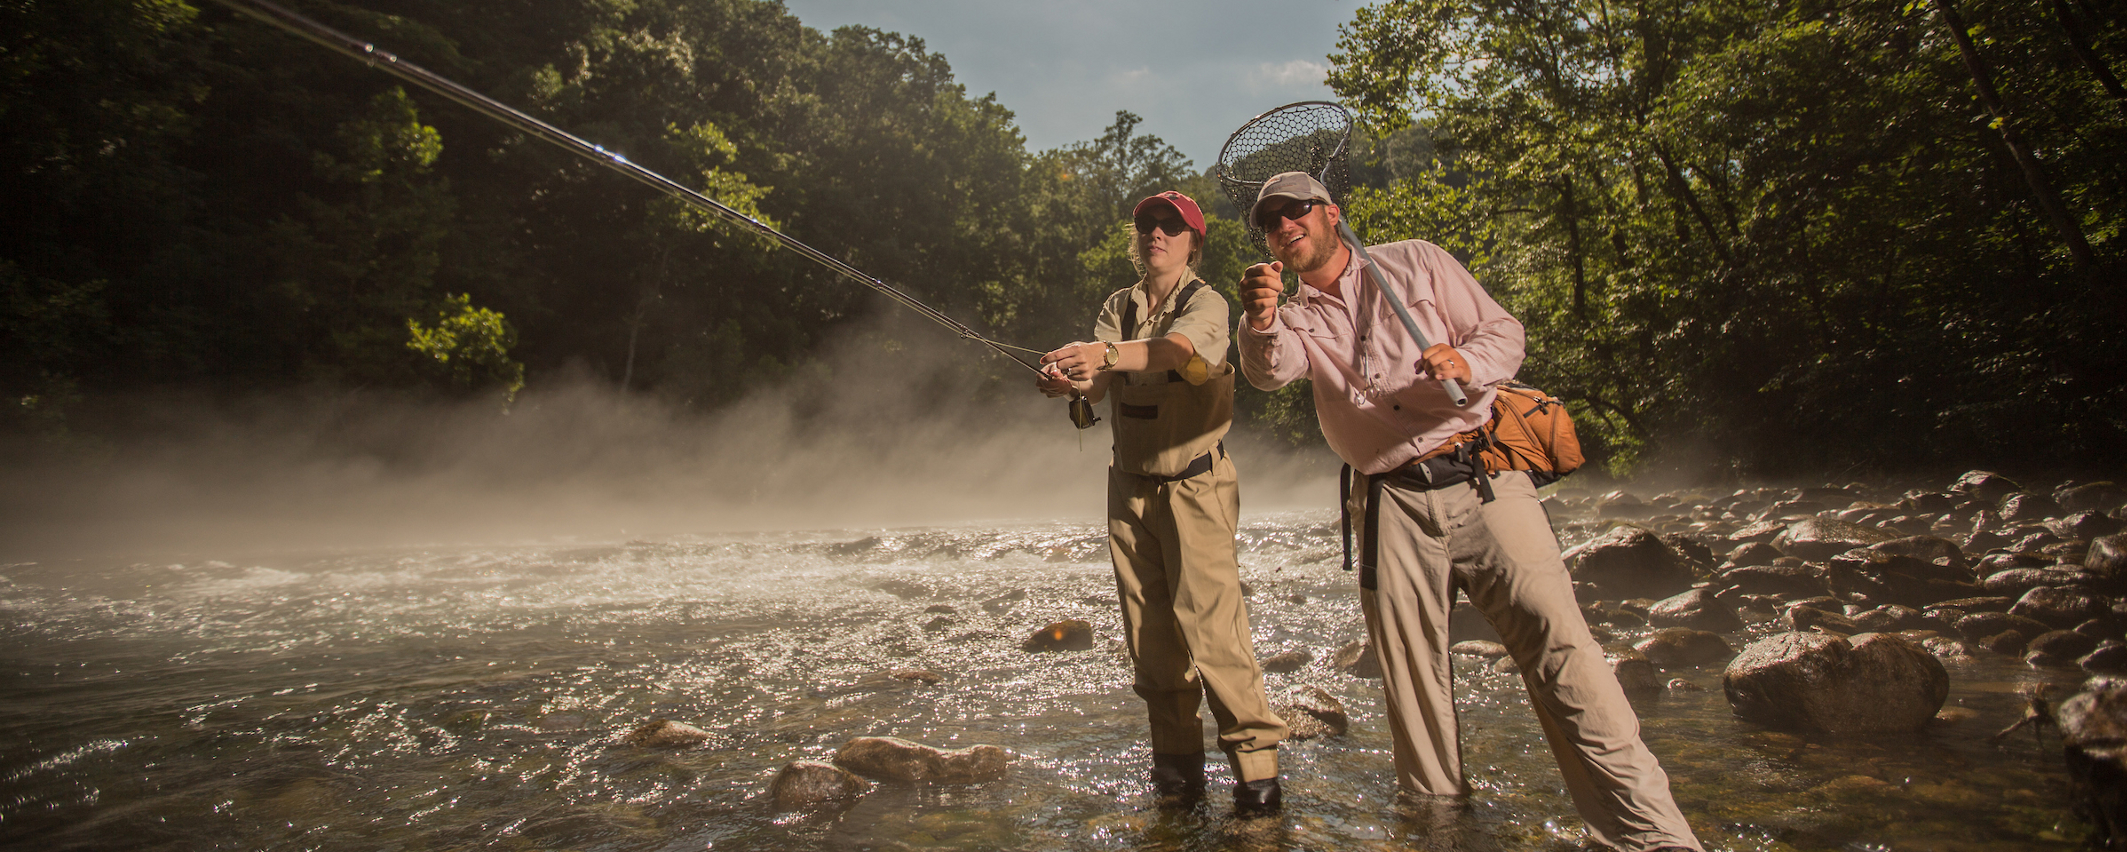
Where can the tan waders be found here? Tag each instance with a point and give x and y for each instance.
(1503, 556)
(1173, 506)
(1184, 617)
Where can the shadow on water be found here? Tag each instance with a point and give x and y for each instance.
(476, 698)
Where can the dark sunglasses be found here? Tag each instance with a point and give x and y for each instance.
(1173, 227)
(1268, 219)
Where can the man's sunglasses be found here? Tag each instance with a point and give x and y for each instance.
(1268, 219)
(1173, 227)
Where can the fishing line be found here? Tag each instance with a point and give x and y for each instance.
(367, 52)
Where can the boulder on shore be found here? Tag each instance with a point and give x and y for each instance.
(896, 759)
(1878, 683)
(810, 783)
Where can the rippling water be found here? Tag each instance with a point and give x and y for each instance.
(475, 698)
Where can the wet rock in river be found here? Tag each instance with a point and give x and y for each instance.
(1637, 674)
(2093, 725)
(1289, 661)
(1313, 712)
(1683, 647)
(2094, 497)
(2085, 525)
(1879, 683)
(1633, 562)
(922, 676)
(1985, 485)
(1926, 548)
(1889, 577)
(1794, 578)
(2107, 658)
(1358, 660)
(1992, 603)
(896, 759)
(1071, 634)
(1891, 617)
(1803, 619)
(2058, 648)
(1478, 648)
(1946, 648)
(2058, 607)
(1819, 538)
(2106, 560)
(2028, 507)
(1623, 504)
(1697, 609)
(1979, 625)
(2014, 582)
(1752, 553)
(810, 783)
(1760, 531)
(665, 732)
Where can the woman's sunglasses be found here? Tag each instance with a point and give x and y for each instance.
(1172, 227)
(1268, 219)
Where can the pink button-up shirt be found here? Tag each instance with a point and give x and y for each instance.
(1375, 408)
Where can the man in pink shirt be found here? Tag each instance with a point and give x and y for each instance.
(1434, 521)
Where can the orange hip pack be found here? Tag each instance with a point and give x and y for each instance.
(1530, 430)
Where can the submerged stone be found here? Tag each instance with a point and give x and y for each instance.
(1071, 634)
(1313, 712)
(1697, 609)
(665, 732)
(1683, 647)
(1358, 660)
(896, 759)
(811, 783)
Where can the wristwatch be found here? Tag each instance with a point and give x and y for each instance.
(1108, 359)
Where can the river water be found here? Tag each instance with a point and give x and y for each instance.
(475, 697)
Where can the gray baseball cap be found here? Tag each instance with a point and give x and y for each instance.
(1293, 186)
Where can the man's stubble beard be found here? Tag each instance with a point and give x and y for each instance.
(1322, 251)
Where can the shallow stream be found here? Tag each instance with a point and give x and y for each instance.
(475, 697)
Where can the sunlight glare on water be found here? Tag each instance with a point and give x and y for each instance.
(436, 698)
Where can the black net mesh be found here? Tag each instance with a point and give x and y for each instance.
(1304, 137)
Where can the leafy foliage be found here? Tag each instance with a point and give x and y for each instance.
(1777, 237)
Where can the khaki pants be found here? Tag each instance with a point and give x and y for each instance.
(1184, 617)
(1503, 555)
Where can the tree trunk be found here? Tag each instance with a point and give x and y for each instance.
(2049, 201)
(1580, 265)
(2080, 41)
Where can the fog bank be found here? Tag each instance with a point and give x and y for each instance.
(902, 436)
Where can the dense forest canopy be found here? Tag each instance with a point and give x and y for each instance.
(1797, 235)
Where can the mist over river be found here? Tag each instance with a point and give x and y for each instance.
(462, 697)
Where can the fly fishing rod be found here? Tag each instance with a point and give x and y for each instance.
(1312, 137)
(389, 63)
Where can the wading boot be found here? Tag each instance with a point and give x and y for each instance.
(1178, 779)
(1257, 798)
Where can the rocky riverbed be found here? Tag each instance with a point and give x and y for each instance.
(1821, 668)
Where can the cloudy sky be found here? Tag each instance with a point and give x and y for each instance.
(1194, 69)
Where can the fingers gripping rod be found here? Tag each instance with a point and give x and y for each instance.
(1351, 238)
(393, 65)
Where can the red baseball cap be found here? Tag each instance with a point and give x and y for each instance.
(1182, 204)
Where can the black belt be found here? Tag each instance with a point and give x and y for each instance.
(1199, 467)
(1432, 474)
